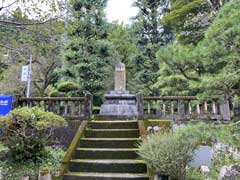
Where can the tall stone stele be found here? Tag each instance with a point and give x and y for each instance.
(120, 102)
(120, 77)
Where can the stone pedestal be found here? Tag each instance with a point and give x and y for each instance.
(121, 104)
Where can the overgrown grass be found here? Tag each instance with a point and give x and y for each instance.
(12, 170)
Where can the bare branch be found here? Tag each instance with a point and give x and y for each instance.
(4, 7)
(27, 24)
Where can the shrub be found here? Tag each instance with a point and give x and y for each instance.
(201, 133)
(167, 154)
(68, 86)
(28, 131)
(51, 160)
(56, 93)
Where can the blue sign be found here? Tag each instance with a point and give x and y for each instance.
(5, 105)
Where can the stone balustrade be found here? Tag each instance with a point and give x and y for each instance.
(68, 107)
(184, 107)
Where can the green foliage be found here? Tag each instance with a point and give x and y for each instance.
(167, 154)
(87, 57)
(208, 134)
(190, 19)
(201, 133)
(68, 86)
(28, 131)
(194, 174)
(42, 41)
(51, 160)
(211, 68)
(149, 35)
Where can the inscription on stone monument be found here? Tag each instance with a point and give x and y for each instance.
(120, 77)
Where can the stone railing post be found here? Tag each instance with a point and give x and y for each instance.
(189, 108)
(198, 109)
(164, 109)
(225, 110)
(140, 105)
(214, 108)
(205, 107)
(88, 106)
(181, 109)
(15, 102)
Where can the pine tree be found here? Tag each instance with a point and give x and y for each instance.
(87, 55)
(150, 36)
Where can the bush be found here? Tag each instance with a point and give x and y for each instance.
(194, 174)
(56, 93)
(68, 86)
(201, 133)
(17, 170)
(28, 131)
(167, 154)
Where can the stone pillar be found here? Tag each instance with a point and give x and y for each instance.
(164, 109)
(189, 108)
(225, 110)
(88, 106)
(120, 77)
(15, 102)
(214, 108)
(140, 106)
(44, 175)
(198, 109)
(181, 109)
(205, 107)
(172, 108)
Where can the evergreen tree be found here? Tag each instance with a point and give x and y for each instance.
(87, 55)
(150, 36)
(211, 68)
(124, 50)
(189, 20)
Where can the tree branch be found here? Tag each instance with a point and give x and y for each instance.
(186, 76)
(27, 24)
(4, 7)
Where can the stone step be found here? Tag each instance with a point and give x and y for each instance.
(113, 117)
(107, 166)
(104, 176)
(109, 142)
(111, 133)
(113, 124)
(100, 153)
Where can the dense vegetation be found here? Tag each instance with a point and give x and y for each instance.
(172, 152)
(170, 48)
(25, 143)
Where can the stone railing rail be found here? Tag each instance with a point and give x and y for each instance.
(78, 108)
(184, 107)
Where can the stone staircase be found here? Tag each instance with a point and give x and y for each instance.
(107, 151)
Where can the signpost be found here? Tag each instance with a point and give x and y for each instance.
(5, 105)
(26, 76)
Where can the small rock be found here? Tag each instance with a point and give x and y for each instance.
(149, 129)
(44, 176)
(205, 170)
(156, 129)
(230, 172)
(26, 178)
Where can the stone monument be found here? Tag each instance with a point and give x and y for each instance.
(120, 77)
(120, 102)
